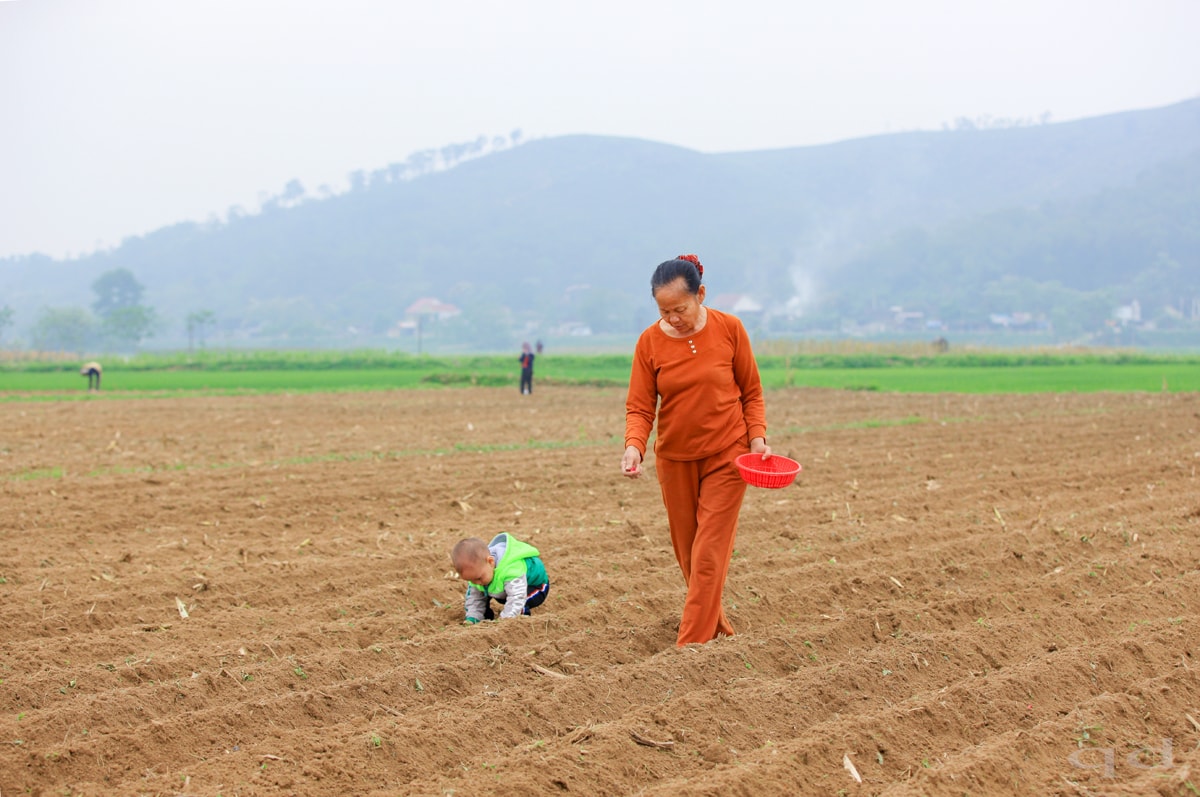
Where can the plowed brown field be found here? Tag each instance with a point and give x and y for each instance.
(960, 595)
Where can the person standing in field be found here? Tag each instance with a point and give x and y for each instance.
(694, 372)
(92, 371)
(526, 361)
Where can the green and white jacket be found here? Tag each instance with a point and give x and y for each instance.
(518, 570)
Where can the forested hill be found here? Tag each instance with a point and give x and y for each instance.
(567, 230)
(1139, 241)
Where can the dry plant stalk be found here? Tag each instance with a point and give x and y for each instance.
(642, 740)
(849, 765)
(544, 671)
(581, 735)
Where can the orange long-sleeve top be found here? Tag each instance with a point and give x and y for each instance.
(709, 388)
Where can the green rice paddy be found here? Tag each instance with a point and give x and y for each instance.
(297, 372)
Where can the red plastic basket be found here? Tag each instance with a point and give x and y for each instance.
(773, 473)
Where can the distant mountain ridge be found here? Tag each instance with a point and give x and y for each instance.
(568, 229)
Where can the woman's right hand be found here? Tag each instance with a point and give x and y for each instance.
(631, 463)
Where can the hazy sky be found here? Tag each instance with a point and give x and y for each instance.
(121, 116)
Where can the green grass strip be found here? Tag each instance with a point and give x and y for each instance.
(39, 473)
(965, 374)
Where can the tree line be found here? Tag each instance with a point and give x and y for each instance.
(117, 321)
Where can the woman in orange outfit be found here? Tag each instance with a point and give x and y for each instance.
(695, 366)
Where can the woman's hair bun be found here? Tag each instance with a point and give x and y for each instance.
(695, 261)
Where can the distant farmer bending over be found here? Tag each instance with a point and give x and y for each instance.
(92, 372)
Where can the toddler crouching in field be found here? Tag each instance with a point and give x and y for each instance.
(505, 570)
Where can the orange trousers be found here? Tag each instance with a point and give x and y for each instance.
(702, 498)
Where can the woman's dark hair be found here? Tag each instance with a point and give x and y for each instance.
(686, 266)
